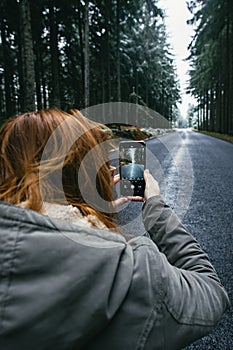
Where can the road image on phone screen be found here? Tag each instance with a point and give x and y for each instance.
(132, 165)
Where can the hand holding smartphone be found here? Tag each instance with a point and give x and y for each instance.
(132, 163)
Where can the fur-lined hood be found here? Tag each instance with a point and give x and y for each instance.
(69, 213)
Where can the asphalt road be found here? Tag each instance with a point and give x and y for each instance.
(195, 173)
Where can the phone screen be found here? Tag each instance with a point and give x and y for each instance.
(132, 166)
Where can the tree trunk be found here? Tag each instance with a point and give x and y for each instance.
(207, 109)
(224, 76)
(38, 81)
(1, 101)
(80, 29)
(106, 50)
(44, 86)
(198, 116)
(86, 56)
(212, 111)
(218, 107)
(118, 54)
(230, 68)
(8, 111)
(27, 57)
(55, 82)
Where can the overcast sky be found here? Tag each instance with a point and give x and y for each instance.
(179, 36)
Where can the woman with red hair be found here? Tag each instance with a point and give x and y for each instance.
(69, 278)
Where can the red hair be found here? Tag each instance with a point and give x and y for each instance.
(23, 162)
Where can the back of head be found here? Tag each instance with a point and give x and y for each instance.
(26, 161)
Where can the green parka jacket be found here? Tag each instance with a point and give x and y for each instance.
(69, 287)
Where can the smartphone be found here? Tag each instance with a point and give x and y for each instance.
(132, 162)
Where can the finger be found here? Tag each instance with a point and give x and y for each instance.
(135, 198)
(147, 174)
(120, 201)
(116, 179)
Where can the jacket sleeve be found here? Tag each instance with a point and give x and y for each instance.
(194, 299)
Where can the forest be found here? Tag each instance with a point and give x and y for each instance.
(79, 53)
(211, 64)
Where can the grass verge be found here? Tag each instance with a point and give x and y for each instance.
(225, 137)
